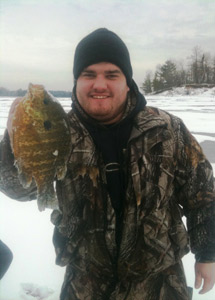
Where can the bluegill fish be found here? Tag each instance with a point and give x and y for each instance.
(40, 140)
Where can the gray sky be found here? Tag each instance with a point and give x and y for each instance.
(38, 37)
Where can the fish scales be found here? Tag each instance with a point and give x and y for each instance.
(40, 140)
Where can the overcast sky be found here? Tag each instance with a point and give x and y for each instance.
(38, 37)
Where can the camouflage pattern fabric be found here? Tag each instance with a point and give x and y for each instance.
(168, 176)
(169, 284)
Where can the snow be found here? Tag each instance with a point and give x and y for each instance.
(32, 291)
(28, 232)
(186, 91)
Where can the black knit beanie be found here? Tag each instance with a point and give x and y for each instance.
(102, 45)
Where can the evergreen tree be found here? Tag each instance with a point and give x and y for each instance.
(147, 84)
(168, 74)
(201, 70)
(158, 83)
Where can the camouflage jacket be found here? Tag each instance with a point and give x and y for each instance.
(168, 176)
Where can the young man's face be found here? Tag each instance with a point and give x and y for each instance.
(102, 91)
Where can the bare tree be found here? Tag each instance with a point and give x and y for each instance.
(200, 70)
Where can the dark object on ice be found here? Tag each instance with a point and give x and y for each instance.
(6, 257)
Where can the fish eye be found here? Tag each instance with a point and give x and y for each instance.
(47, 124)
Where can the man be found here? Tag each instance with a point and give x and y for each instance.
(132, 174)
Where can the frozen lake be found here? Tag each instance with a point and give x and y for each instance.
(29, 233)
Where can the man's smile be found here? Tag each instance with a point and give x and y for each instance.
(102, 92)
(99, 96)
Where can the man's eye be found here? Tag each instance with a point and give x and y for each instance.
(88, 75)
(112, 76)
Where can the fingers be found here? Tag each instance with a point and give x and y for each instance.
(198, 281)
(205, 272)
(207, 286)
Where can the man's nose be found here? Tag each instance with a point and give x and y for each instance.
(100, 84)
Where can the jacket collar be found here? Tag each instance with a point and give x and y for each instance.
(146, 120)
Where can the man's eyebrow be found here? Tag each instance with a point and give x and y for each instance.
(88, 71)
(106, 72)
(113, 72)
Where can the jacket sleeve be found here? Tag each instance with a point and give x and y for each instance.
(9, 181)
(196, 194)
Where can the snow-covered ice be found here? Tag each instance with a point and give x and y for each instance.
(28, 232)
(33, 291)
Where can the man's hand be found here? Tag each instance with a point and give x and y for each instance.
(205, 273)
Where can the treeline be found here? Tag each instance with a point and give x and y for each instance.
(20, 93)
(198, 71)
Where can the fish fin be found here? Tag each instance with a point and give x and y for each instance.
(18, 165)
(47, 198)
(61, 172)
(24, 177)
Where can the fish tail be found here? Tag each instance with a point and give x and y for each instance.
(47, 198)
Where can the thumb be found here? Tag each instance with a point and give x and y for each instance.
(198, 280)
